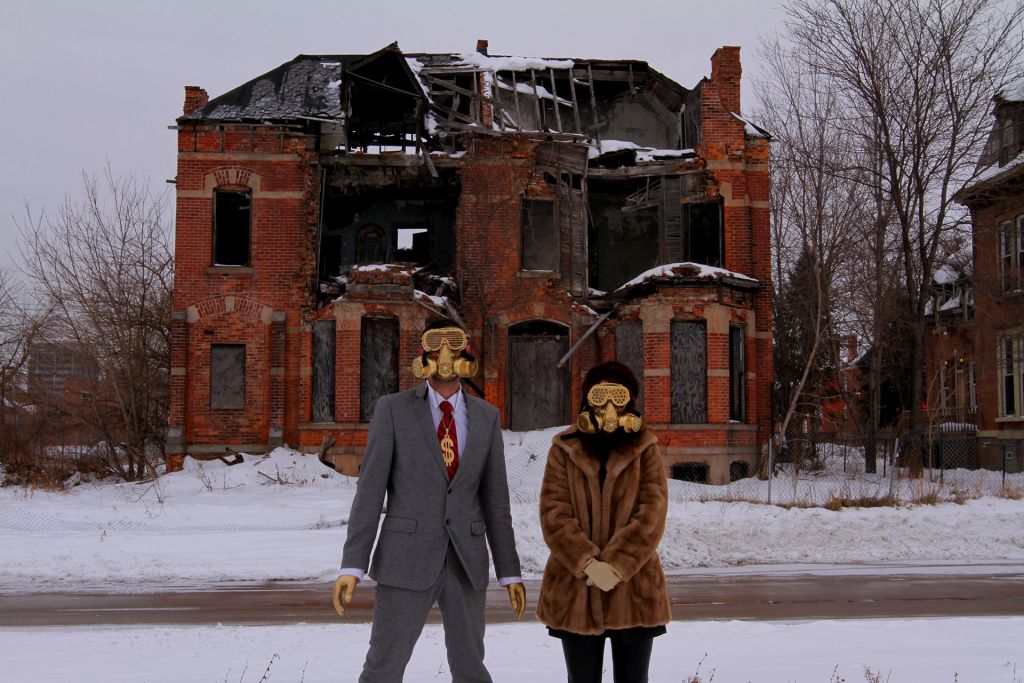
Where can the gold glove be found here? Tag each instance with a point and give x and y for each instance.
(602, 575)
(517, 597)
(346, 584)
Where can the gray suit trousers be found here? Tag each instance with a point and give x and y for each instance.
(398, 618)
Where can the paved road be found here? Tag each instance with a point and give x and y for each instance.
(782, 595)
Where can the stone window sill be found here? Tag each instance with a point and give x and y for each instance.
(230, 270)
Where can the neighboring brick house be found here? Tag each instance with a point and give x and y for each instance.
(950, 381)
(996, 203)
(329, 208)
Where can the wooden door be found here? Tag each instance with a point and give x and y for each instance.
(538, 390)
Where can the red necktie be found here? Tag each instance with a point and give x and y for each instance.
(449, 439)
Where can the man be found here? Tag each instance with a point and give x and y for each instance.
(437, 453)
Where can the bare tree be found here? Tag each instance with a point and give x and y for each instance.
(103, 264)
(15, 335)
(815, 212)
(916, 78)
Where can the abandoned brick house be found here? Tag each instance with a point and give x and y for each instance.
(567, 211)
(990, 333)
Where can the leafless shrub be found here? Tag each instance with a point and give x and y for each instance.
(102, 267)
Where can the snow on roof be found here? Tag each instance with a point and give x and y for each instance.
(488, 63)
(438, 301)
(691, 271)
(536, 89)
(993, 171)
(945, 275)
(751, 129)
(642, 153)
(1013, 91)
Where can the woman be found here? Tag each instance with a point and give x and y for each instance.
(602, 511)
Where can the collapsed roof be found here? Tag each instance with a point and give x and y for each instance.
(391, 101)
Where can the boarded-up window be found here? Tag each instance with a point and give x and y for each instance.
(227, 376)
(323, 370)
(538, 390)
(689, 372)
(231, 219)
(539, 235)
(737, 374)
(629, 350)
(572, 221)
(378, 362)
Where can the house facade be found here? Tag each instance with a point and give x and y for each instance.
(996, 203)
(566, 211)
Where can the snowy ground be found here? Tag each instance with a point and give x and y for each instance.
(283, 517)
(977, 650)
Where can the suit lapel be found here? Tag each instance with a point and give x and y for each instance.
(475, 446)
(421, 407)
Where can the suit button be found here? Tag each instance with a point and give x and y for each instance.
(447, 521)
(449, 490)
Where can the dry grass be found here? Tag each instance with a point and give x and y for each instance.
(1011, 492)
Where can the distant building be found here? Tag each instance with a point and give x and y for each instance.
(569, 211)
(996, 203)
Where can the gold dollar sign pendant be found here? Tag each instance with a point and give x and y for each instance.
(448, 449)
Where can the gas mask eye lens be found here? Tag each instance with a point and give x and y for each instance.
(601, 394)
(434, 339)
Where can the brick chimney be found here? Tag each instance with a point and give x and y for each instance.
(195, 97)
(725, 73)
(484, 85)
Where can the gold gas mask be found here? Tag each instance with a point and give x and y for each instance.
(445, 355)
(606, 410)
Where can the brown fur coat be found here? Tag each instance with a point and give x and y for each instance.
(621, 524)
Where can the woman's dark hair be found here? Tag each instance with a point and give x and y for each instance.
(611, 371)
(443, 322)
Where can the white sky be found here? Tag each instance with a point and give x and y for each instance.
(86, 83)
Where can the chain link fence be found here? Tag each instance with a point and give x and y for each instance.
(820, 470)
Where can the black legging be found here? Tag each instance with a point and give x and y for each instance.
(584, 658)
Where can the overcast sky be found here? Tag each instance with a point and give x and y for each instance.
(85, 83)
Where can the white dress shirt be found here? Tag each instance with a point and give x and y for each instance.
(461, 413)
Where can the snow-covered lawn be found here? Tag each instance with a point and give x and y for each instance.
(283, 516)
(976, 650)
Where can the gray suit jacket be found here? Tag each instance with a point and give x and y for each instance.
(425, 510)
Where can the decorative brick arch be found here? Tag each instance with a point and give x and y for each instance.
(231, 176)
(250, 309)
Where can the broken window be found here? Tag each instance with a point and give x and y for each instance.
(227, 376)
(232, 212)
(412, 245)
(370, 245)
(539, 234)
(737, 374)
(378, 362)
(689, 372)
(538, 390)
(624, 236)
(690, 471)
(703, 225)
(387, 224)
(324, 344)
